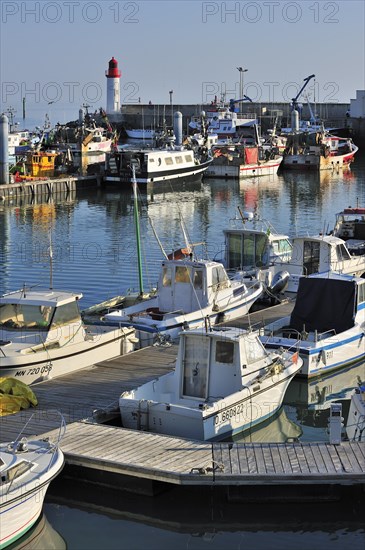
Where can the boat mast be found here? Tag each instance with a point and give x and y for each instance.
(136, 222)
(50, 261)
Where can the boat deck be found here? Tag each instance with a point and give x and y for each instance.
(90, 396)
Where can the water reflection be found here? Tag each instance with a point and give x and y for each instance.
(41, 537)
(305, 412)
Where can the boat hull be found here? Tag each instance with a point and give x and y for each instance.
(243, 170)
(189, 172)
(326, 355)
(21, 504)
(237, 413)
(314, 162)
(44, 365)
(355, 428)
(148, 329)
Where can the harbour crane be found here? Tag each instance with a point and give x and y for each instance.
(294, 100)
(232, 102)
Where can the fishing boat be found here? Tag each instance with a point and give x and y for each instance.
(326, 325)
(317, 150)
(190, 294)
(222, 120)
(166, 160)
(224, 382)
(253, 246)
(350, 226)
(140, 133)
(243, 161)
(27, 467)
(43, 336)
(355, 427)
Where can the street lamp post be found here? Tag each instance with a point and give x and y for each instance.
(241, 70)
(172, 114)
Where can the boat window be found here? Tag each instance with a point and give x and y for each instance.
(342, 252)
(179, 160)
(248, 255)
(182, 274)
(14, 316)
(169, 160)
(68, 313)
(255, 351)
(234, 251)
(285, 246)
(219, 278)
(224, 352)
(198, 278)
(188, 158)
(311, 251)
(16, 471)
(166, 276)
(151, 160)
(361, 293)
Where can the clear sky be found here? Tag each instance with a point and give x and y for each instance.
(59, 51)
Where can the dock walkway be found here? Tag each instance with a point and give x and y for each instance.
(89, 397)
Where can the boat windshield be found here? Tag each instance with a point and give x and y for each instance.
(21, 316)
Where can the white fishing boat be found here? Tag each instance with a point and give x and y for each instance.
(224, 382)
(222, 120)
(140, 133)
(254, 247)
(327, 323)
(27, 467)
(350, 226)
(355, 427)
(42, 336)
(190, 294)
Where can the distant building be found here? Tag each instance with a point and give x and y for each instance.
(357, 106)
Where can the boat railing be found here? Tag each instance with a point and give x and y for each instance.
(20, 443)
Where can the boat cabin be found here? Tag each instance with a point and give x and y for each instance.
(39, 317)
(215, 363)
(350, 226)
(248, 249)
(319, 254)
(190, 285)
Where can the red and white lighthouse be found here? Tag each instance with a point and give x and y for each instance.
(113, 75)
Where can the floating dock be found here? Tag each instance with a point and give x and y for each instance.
(47, 187)
(97, 449)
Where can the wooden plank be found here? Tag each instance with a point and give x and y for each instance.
(243, 459)
(235, 461)
(336, 461)
(301, 458)
(251, 460)
(327, 459)
(267, 458)
(276, 459)
(318, 458)
(294, 463)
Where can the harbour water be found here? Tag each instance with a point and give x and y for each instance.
(92, 237)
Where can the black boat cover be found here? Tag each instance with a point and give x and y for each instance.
(324, 304)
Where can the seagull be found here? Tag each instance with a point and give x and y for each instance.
(50, 102)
